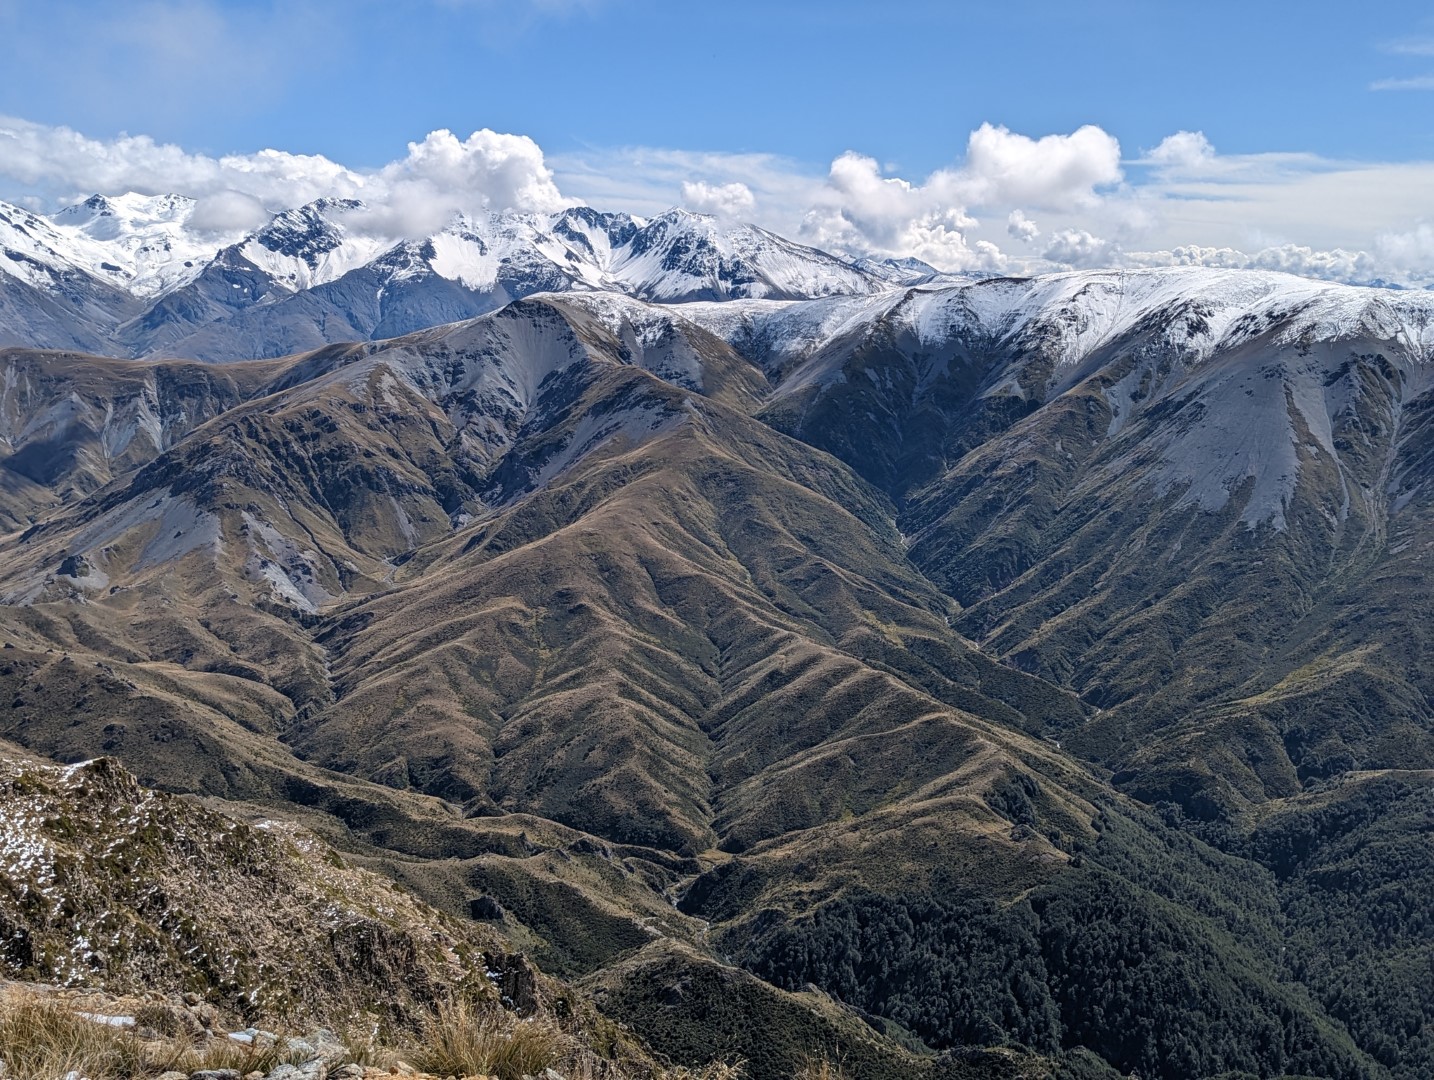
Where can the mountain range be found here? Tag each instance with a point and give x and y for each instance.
(129, 275)
(1032, 668)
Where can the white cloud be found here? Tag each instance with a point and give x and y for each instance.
(441, 176)
(1078, 248)
(1332, 265)
(1055, 172)
(1415, 82)
(645, 180)
(726, 200)
(1190, 203)
(65, 164)
(1415, 46)
(860, 210)
(227, 212)
(1408, 252)
(1185, 151)
(412, 196)
(1022, 227)
(1187, 204)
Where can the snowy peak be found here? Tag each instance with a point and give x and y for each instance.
(1192, 312)
(147, 282)
(593, 234)
(111, 218)
(308, 232)
(680, 256)
(139, 244)
(144, 245)
(311, 245)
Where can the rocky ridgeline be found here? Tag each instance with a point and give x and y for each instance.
(142, 930)
(106, 884)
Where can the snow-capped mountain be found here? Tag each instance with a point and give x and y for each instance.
(147, 282)
(140, 244)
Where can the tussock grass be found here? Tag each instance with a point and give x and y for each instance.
(818, 1068)
(228, 1054)
(46, 1039)
(464, 1039)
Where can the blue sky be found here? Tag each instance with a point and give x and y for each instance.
(630, 99)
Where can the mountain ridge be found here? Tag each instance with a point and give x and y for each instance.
(152, 283)
(772, 630)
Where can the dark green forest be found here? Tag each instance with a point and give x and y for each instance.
(1303, 950)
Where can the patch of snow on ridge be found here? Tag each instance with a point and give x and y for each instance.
(1202, 310)
(26, 856)
(465, 259)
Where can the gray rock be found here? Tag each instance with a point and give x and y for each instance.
(310, 1070)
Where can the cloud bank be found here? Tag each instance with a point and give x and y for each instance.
(412, 196)
(1009, 202)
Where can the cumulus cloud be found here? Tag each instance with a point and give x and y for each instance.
(1055, 172)
(1410, 252)
(1332, 265)
(861, 209)
(65, 163)
(1078, 248)
(726, 200)
(1022, 227)
(1185, 151)
(227, 212)
(443, 175)
(413, 196)
(1189, 205)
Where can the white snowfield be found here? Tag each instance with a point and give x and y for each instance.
(139, 244)
(146, 246)
(1203, 311)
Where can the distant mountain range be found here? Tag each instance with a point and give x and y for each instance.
(1036, 668)
(128, 275)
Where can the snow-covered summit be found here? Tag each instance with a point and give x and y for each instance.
(145, 246)
(141, 244)
(1192, 312)
(311, 245)
(679, 255)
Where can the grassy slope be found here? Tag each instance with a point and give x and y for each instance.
(696, 663)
